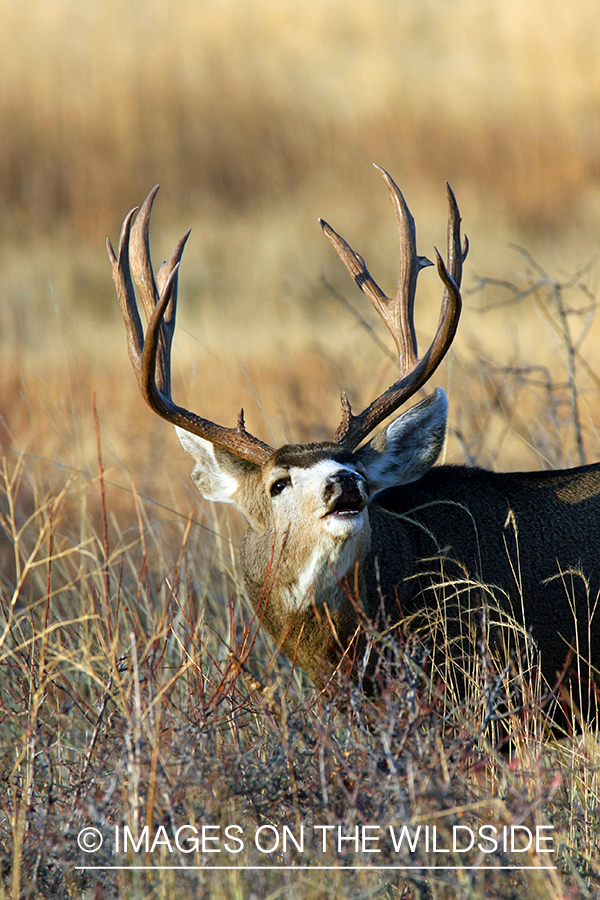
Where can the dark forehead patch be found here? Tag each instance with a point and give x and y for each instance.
(302, 456)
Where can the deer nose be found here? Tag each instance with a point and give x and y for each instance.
(346, 489)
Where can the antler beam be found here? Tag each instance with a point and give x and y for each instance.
(398, 312)
(151, 355)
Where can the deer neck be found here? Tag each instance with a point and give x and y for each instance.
(306, 593)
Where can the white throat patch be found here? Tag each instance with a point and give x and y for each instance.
(329, 562)
(336, 541)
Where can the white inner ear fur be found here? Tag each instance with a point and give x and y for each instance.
(211, 480)
(409, 446)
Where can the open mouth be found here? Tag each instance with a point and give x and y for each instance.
(349, 503)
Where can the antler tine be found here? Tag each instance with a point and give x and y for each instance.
(151, 355)
(398, 313)
(124, 286)
(140, 261)
(456, 253)
(150, 289)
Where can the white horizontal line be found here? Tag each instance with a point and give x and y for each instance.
(331, 868)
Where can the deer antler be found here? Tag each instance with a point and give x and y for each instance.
(398, 312)
(151, 355)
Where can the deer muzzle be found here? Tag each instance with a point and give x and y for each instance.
(346, 494)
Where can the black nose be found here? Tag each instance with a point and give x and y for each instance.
(347, 487)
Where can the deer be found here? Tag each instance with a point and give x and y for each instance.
(361, 532)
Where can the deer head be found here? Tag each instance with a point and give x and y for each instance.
(307, 505)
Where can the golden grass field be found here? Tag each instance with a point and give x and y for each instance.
(118, 700)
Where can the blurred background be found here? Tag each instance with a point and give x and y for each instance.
(255, 119)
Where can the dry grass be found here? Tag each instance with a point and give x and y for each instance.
(135, 693)
(251, 109)
(121, 603)
(136, 690)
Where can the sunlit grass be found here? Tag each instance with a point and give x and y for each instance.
(136, 692)
(131, 689)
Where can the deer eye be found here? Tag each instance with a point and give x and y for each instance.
(278, 486)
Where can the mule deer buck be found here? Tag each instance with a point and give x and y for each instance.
(345, 533)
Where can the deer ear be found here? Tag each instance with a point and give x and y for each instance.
(218, 474)
(409, 446)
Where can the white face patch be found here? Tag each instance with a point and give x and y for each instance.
(326, 541)
(319, 578)
(307, 500)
